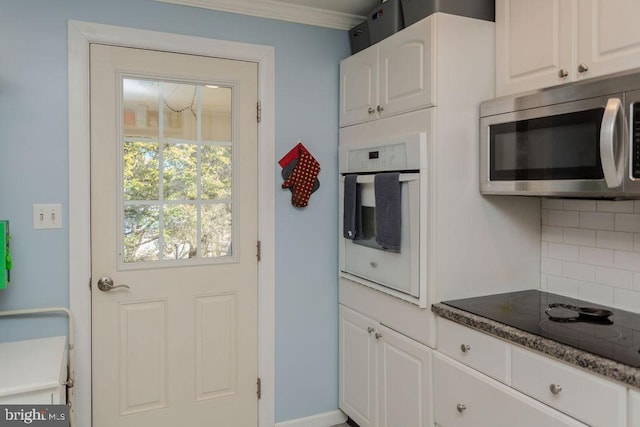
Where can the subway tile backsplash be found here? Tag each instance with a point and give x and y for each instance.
(590, 249)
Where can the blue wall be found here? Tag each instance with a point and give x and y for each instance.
(34, 169)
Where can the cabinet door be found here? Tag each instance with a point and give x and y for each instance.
(608, 36)
(357, 367)
(634, 408)
(404, 381)
(533, 44)
(407, 78)
(359, 87)
(466, 398)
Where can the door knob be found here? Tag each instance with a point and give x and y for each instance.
(583, 68)
(105, 284)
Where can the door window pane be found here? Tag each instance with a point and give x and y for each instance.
(177, 171)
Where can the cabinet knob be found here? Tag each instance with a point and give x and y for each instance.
(465, 347)
(370, 329)
(583, 68)
(461, 407)
(378, 335)
(555, 388)
(380, 108)
(563, 73)
(371, 110)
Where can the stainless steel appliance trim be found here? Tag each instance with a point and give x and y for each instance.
(581, 188)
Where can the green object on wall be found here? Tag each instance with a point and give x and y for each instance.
(5, 254)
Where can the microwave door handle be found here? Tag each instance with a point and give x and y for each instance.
(611, 137)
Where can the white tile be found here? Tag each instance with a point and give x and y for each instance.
(563, 286)
(551, 266)
(579, 205)
(637, 206)
(614, 277)
(563, 252)
(595, 293)
(626, 300)
(551, 234)
(563, 218)
(627, 222)
(596, 256)
(543, 282)
(636, 242)
(575, 270)
(627, 260)
(579, 236)
(544, 216)
(614, 240)
(615, 206)
(552, 203)
(596, 220)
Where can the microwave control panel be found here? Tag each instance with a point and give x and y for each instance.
(635, 142)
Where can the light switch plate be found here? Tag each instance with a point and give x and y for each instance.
(47, 216)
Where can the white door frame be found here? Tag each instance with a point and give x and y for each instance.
(80, 35)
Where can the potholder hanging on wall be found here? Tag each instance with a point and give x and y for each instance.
(300, 172)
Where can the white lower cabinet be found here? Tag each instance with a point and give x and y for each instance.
(464, 397)
(385, 377)
(596, 401)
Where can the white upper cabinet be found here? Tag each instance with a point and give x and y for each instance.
(541, 43)
(388, 78)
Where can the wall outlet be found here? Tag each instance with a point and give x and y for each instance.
(47, 216)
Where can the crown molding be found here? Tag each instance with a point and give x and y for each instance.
(274, 9)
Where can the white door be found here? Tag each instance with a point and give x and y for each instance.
(174, 218)
(533, 44)
(357, 376)
(359, 87)
(404, 381)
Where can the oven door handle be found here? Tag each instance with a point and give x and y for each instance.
(404, 177)
(613, 133)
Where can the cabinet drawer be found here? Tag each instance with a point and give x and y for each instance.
(591, 399)
(466, 398)
(478, 350)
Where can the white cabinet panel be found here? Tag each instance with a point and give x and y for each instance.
(357, 367)
(608, 36)
(359, 87)
(466, 398)
(533, 44)
(634, 408)
(480, 351)
(595, 401)
(542, 43)
(404, 375)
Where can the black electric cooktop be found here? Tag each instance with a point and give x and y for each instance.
(604, 331)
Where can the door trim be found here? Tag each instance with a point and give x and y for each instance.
(80, 36)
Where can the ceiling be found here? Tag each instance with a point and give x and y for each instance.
(339, 14)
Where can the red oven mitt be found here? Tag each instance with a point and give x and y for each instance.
(302, 179)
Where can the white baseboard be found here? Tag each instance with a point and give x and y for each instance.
(326, 419)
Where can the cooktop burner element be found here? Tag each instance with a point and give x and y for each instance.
(607, 332)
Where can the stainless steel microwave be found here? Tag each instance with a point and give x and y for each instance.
(576, 140)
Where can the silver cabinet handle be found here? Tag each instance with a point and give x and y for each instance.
(465, 347)
(370, 329)
(378, 335)
(555, 388)
(563, 73)
(583, 68)
(612, 136)
(371, 110)
(380, 108)
(105, 284)
(461, 407)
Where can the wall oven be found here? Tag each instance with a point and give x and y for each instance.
(577, 140)
(380, 214)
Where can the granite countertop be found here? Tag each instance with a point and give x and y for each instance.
(583, 359)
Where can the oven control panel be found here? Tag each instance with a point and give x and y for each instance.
(397, 154)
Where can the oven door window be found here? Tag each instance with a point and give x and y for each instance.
(368, 216)
(560, 147)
